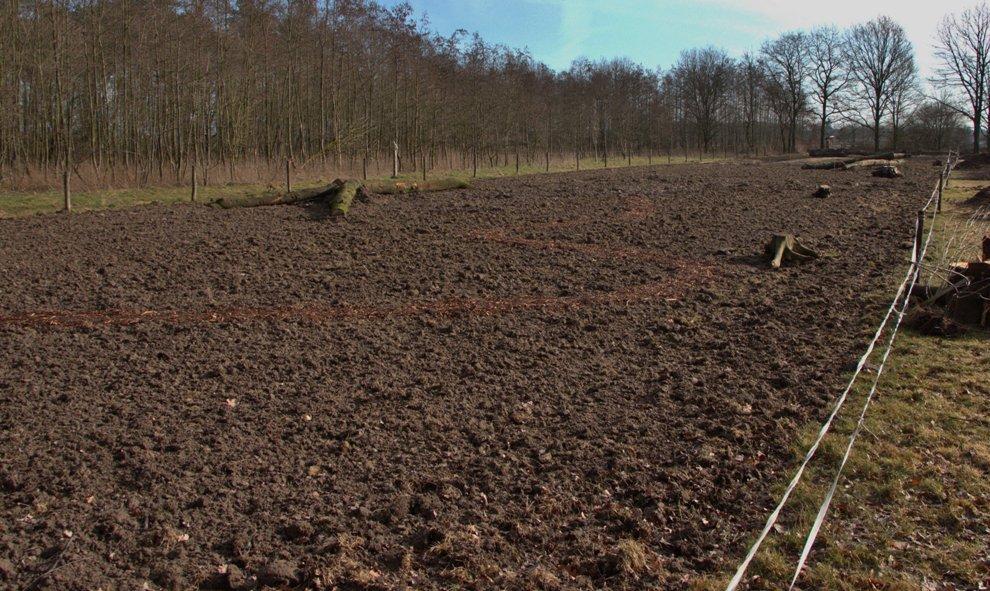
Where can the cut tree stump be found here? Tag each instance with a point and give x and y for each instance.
(888, 171)
(786, 248)
(823, 191)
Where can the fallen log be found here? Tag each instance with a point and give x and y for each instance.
(400, 187)
(873, 162)
(272, 197)
(342, 196)
(786, 248)
(828, 152)
(830, 165)
(847, 163)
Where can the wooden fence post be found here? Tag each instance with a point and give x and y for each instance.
(941, 187)
(66, 195)
(919, 237)
(395, 159)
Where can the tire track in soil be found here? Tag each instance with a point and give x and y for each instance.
(445, 307)
(684, 273)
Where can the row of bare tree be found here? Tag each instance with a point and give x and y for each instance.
(147, 91)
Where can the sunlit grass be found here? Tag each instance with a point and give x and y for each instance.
(15, 204)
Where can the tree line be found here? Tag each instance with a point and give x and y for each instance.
(151, 91)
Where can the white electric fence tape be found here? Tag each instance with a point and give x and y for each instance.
(820, 518)
(775, 514)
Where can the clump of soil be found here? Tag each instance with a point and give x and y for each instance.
(933, 322)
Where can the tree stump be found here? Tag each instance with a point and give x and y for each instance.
(823, 191)
(786, 248)
(887, 171)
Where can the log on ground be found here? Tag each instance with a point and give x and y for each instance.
(273, 198)
(342, 196)
(400, 187)
(853, 162)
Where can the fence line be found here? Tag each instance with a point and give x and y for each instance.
(823, 509)
(904, 288)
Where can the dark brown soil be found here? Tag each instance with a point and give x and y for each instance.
(572, 381)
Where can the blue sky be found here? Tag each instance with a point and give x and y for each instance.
(653, 32)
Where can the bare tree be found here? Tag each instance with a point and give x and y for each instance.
(786, 59)
(881, 61)
(905, 94)
(934, 123)
(127, 93)
(964, 51)
(827, 75)
(703, 76)
(749, 85)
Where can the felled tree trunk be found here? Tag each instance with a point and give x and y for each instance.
(853, 162)
(342, 197)
(785, 247)
(399, 187)
(830, 165)
(274, 198)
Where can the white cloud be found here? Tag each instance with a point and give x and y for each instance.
(580, 19)
(919, 19)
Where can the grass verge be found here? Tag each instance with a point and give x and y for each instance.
(913, 507)
(16, 204)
